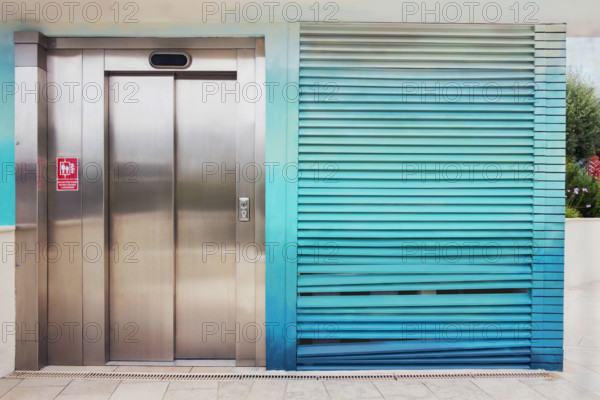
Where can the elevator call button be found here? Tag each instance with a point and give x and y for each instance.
(244, 209)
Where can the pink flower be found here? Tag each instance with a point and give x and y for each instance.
(585, 190)
(576, 190)
(588, 205)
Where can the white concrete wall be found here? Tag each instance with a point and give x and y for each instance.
(582, 251)
(581, 16)
(7, 301)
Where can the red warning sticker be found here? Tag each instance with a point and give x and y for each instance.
(67, 175)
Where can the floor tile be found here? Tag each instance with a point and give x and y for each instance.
(140, 391)
(305, 396)
(581, 376)
(305, 386)
(87, 386)
(191, 385)
(300, 390)
(267, 390)
(563, 390)
(595, 368)
(507, 389)
(456, 389)
(44, 382)
(191, 394)
(87, 396)
(7, 384)
(234, 389)
(404, 390)
(344, 390)
(32, 393)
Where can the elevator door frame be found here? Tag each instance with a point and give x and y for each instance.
(101, 57)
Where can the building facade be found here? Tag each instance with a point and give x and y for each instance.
(296, 195)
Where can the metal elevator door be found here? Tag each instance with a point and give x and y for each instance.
(172, 219)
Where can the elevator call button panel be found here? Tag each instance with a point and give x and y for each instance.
(244, 209)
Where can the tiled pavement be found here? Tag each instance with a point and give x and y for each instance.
(579, 381)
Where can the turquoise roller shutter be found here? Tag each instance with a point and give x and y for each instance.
(416, 196)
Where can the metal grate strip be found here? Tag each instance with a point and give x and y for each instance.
(276, 376)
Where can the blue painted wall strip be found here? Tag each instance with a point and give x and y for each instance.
(290, 176)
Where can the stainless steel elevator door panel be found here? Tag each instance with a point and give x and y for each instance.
(64, 211)
(206, 219)
(141, 156)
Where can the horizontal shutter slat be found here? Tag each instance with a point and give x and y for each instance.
(385, 111)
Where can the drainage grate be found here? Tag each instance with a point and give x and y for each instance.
(536, 374)
(294, 376)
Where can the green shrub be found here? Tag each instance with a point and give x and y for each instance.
(572, 213)
(583, 118)
(582, 191)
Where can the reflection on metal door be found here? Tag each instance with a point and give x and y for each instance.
(141, 156)
(206, 220)
(173, 210)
